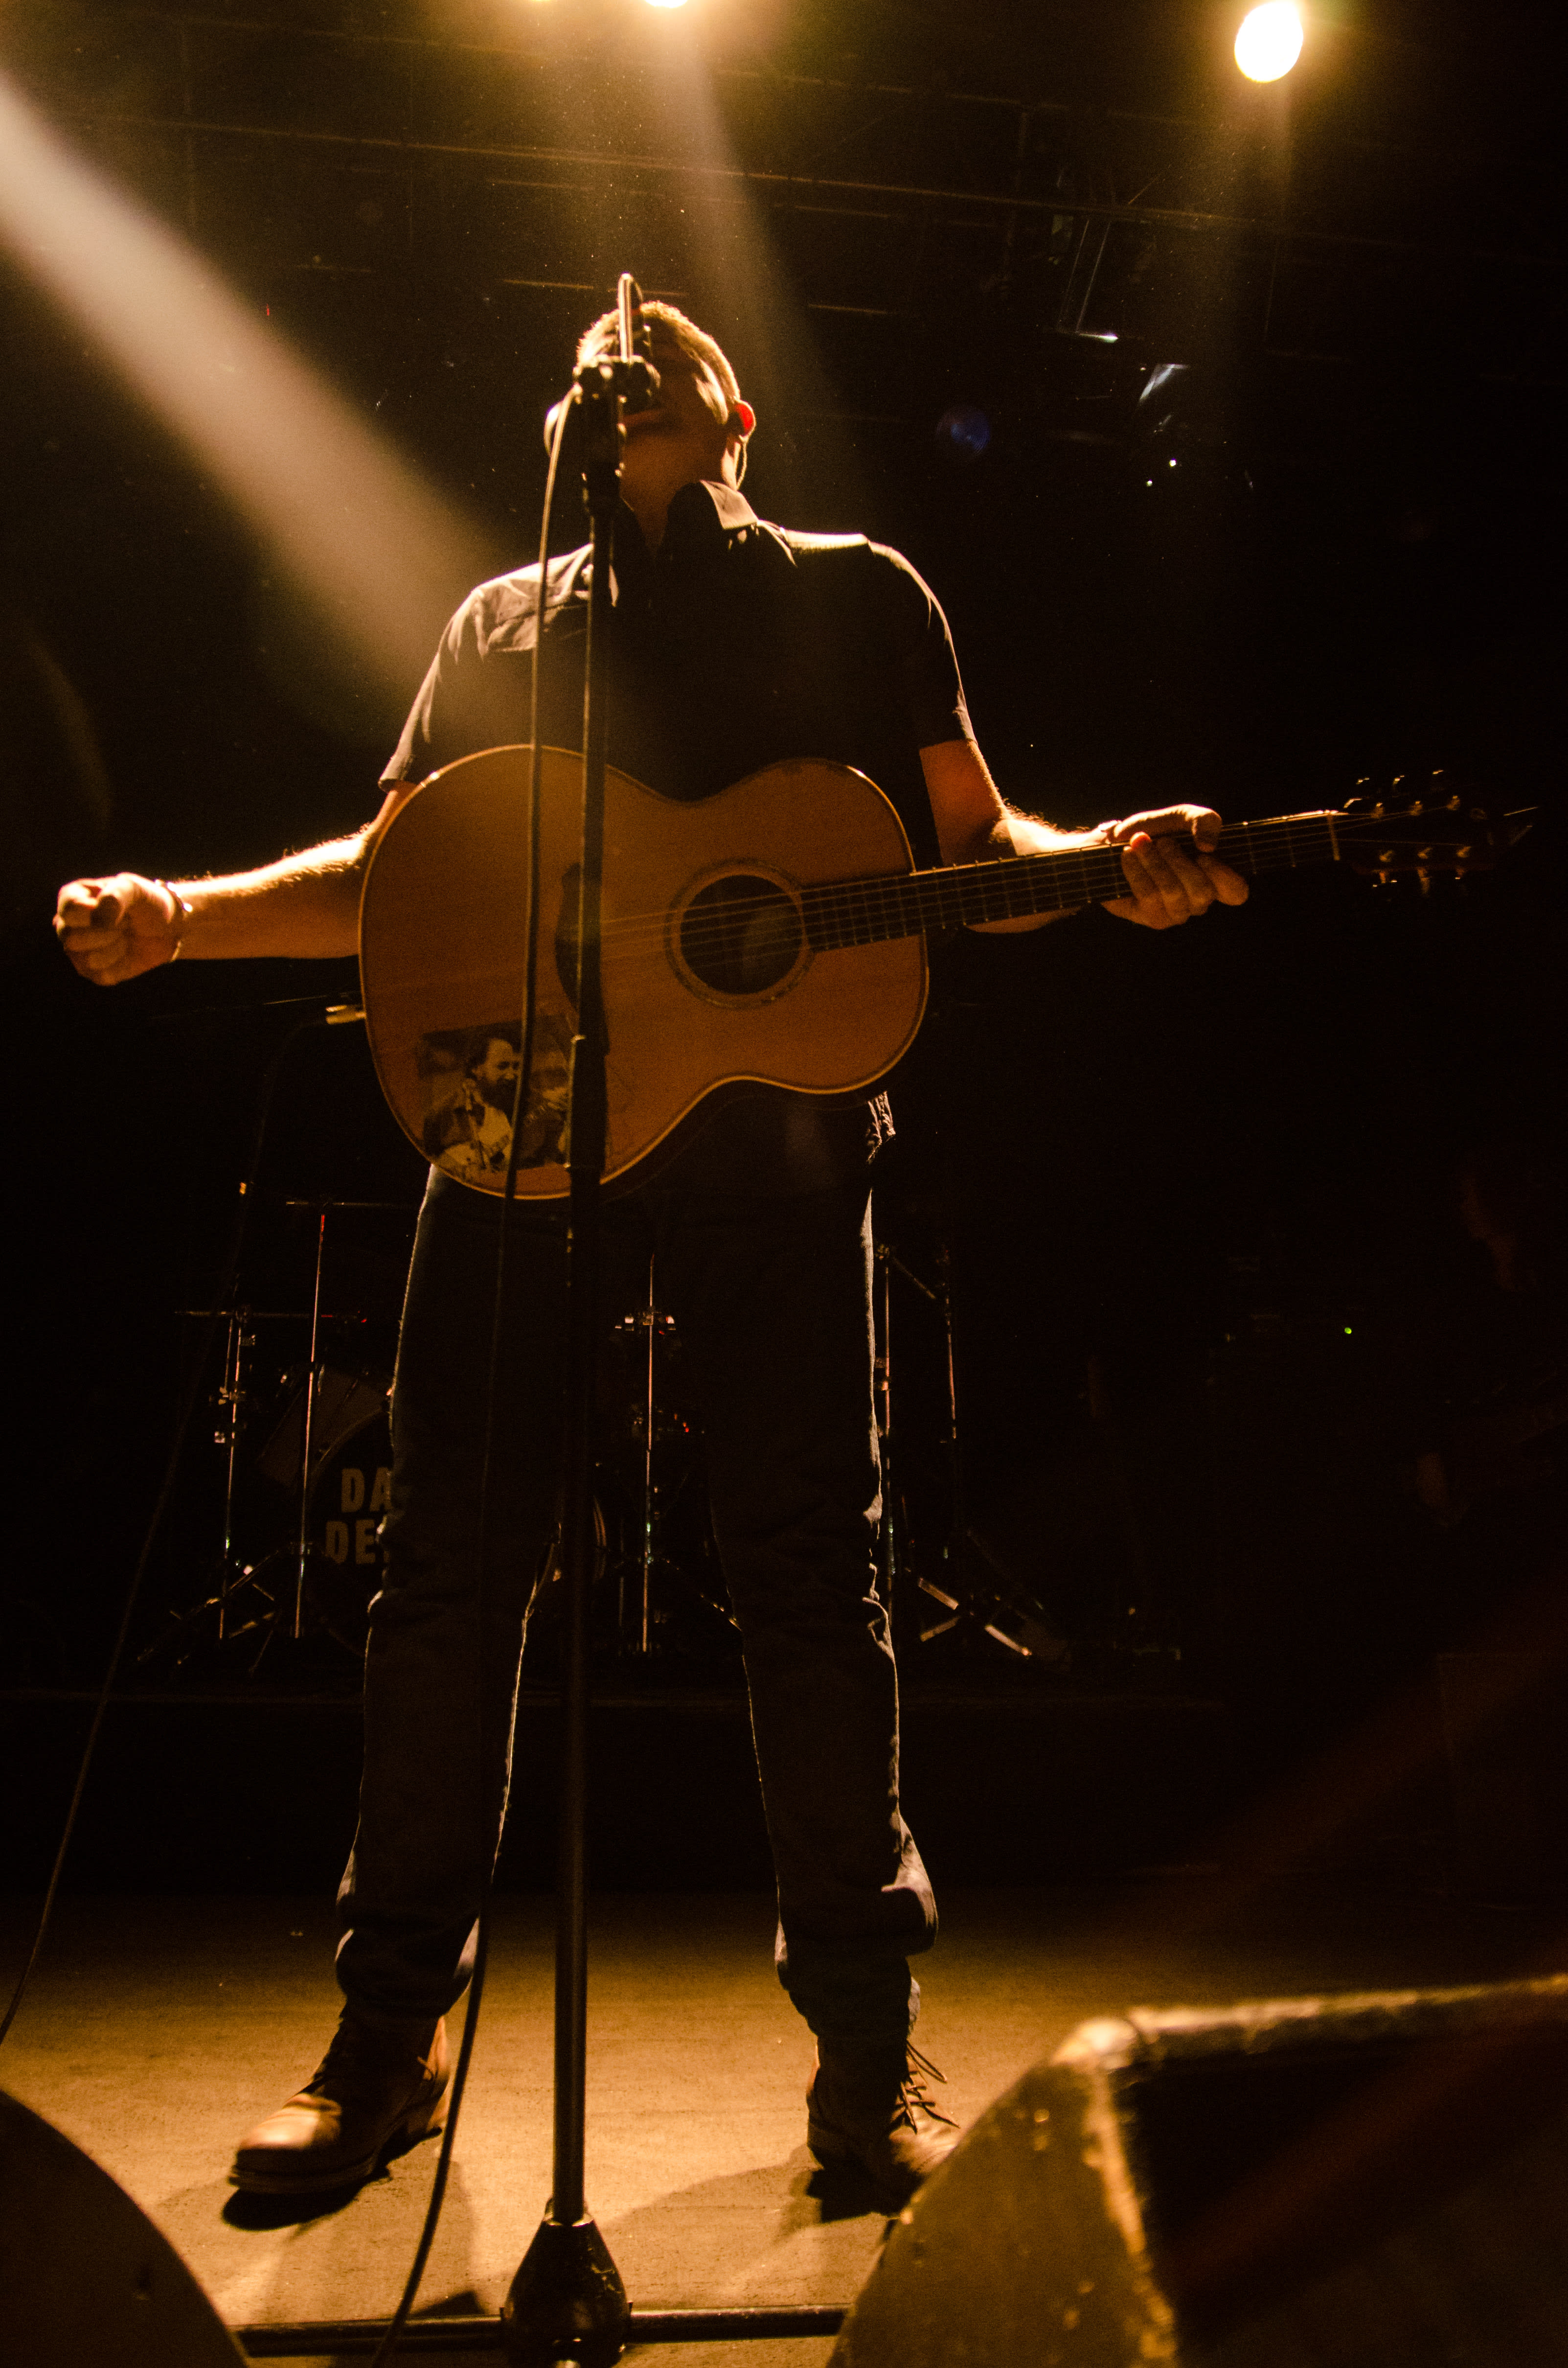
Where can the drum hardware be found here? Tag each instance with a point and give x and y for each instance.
(972, 1597)
(329, 1448)
(232, 1398)
(346, 1498)
(551, 1569)
(321, 1210)
(898, 1555)
(636, 1468)
(345, 1403)
(312, 1382)
(649, 1327)
(886, 1259)
(323, 1424)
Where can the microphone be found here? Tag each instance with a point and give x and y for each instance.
(634, 341)
(630, 327)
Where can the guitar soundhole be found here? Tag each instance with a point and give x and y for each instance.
(741, 935)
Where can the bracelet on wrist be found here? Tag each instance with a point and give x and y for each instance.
(183, 910)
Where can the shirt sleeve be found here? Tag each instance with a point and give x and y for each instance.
(475, 696)
(924, 653)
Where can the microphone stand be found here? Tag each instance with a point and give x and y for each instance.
(567, 2300)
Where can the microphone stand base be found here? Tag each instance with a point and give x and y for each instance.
(566, 2301)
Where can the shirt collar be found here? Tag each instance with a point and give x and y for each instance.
(702, 517)
(728, 505)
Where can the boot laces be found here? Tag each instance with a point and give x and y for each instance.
(358, 2056)
(913, 2094)
(346, 2059)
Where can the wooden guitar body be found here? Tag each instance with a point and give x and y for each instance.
(709, 977)
(772, 934)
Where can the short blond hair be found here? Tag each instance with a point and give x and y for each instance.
(601, 339)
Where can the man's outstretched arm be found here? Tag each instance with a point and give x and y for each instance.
(304, 905)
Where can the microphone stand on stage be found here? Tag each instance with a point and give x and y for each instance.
(567, 2297)
(567, 2301)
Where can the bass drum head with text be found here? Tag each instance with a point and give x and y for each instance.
(349, 1497)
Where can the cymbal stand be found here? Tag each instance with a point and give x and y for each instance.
(889, 1559)
(311, 1378)
(941, 1299)
(233, 1398)
(978, 1605)
(648, 1317)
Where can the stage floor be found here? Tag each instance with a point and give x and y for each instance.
(158, 2028)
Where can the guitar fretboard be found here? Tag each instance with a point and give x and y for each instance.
(861, 912)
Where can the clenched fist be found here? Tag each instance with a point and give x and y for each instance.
(116, 929)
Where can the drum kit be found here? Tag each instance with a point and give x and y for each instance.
(301, 1449)
(304, 1451)
(301, 1444)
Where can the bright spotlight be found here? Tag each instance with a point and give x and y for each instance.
(666, 3)
(1270, 41)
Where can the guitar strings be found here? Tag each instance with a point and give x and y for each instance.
(879, 893)
(838, 911)
(949, 884)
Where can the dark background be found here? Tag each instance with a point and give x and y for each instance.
(1325, 548)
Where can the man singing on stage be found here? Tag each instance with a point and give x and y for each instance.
(735, 644)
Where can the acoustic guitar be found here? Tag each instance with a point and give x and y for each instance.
(774, 933)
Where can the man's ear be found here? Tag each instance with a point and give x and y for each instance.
(742, 420)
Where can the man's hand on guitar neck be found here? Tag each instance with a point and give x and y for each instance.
(1164, 885)
(1168, 886)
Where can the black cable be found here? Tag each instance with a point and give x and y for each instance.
(222, 1308)
(389, 2343)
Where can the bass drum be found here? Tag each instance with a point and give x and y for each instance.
(346, 1563)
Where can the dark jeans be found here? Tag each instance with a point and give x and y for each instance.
(771, 1300)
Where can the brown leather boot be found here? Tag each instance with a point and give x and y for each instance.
(377, 2083)
(868, 2111)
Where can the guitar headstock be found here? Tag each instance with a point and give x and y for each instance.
(1422, 826)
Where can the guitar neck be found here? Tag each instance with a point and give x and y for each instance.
(860, 912)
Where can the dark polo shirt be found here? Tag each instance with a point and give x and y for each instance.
(734, 646)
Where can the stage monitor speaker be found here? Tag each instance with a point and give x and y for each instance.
(85, 2279)
(1371, 2182)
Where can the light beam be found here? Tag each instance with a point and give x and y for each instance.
(381, 557)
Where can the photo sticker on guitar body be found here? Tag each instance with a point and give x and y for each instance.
(470, 1081)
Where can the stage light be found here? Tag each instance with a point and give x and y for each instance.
(666, 3)
(1270, 40)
